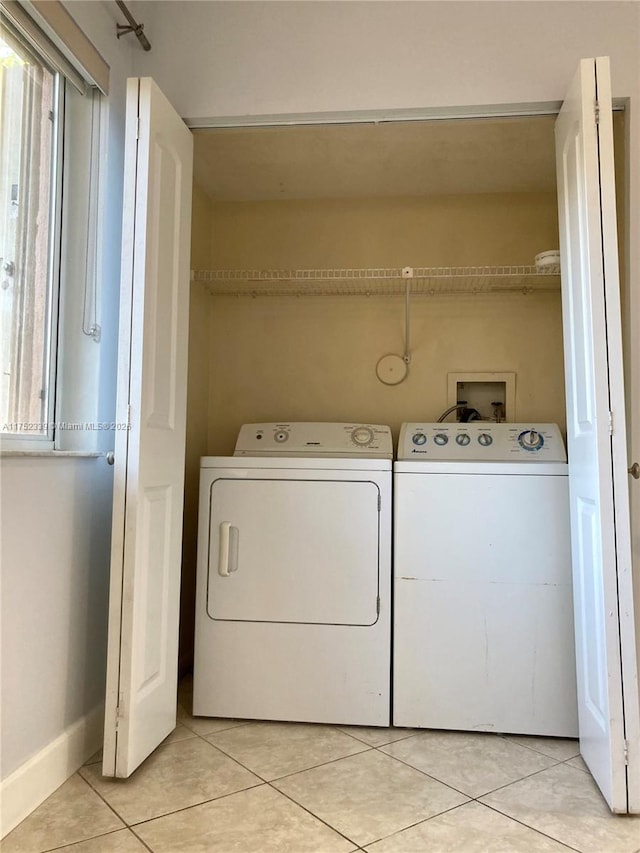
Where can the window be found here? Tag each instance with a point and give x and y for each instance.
(53, 131)
(31, 99)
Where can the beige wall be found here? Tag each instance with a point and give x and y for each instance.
(314, 358)
(197, 415)
(428, 231)
(201, 223)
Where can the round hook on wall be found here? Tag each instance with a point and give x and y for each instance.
(392, 369)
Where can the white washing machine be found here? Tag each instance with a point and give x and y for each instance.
(483, 612)
(293, 596)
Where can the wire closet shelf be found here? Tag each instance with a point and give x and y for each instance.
(422, 281)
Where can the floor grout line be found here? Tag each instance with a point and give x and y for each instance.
(141, 840)
(555, 761)
(268, 782)
(584, 769)
(380, 748)
(369, 748)
(184, 808)
(424, 773)
(238, 725)
(324, 764)
(419, 822)
(516, 781)
(314, 816)
(286, 775)
(84, 840)
(132, 826)
(377, 745)
(511, 739)
(98, 794)
(244, 766)
(527, 826)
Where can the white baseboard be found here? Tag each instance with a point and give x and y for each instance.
(41, 775)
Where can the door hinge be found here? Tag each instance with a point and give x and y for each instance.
(119, 711)
(597, 113)
(128, 415)
(626, 753)
(379, 503)
(378, 605)
(138, 128)
(610, 423)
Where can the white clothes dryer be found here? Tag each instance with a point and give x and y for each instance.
(293, 599)
(483, 614)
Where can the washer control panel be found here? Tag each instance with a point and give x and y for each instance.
(315, 439)
(481, 441)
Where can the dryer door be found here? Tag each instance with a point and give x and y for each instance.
(293, 550)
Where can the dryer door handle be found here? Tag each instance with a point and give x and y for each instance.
(228, 549)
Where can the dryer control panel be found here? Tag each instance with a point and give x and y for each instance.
(336, 440)
(482, 441)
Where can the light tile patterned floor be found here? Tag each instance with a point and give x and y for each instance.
(230, 786)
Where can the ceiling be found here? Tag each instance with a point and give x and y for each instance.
(410, 158)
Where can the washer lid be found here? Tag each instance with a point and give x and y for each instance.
(334, 440)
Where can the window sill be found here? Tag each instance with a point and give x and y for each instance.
(51, 454)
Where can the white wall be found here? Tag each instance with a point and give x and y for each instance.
(252, 58)
(56, 512)
(55, 535)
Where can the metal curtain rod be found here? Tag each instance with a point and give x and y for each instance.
(132, 27)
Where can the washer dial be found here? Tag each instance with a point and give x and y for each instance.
(484, 439)
(281, 436)
(441, 438)
(463, 439)
(419, 438)
(531, 440)
(362, 436)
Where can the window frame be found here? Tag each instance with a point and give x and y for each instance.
(79, 389)
(31, 439)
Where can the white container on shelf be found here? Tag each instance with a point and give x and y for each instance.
(544, 260)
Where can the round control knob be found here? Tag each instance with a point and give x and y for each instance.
(362, 436)
(441, 438)
(463, 439)
(419, 438)
(530, 439)
(484, 439)
(281, 436)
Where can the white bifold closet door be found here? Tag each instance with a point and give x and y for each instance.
(144, 603)
(145, 572)
(607, 676)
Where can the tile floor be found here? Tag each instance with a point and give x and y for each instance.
(230, 786)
